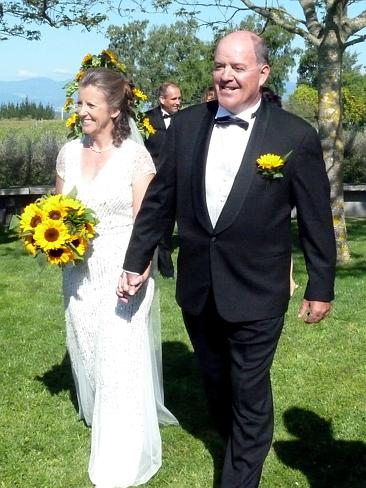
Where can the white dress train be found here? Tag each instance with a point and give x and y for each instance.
(115, 348)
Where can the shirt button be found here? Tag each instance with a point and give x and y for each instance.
(213, 239)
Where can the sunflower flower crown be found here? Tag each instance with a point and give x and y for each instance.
(271, 165)
(106, 59)
(56, 228)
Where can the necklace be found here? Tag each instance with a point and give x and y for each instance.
(99, 151)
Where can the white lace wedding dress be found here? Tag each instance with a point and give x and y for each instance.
(115, 348)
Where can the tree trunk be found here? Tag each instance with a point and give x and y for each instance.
(331, 134)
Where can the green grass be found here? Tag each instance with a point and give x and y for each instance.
(318, 381)
(31, 127)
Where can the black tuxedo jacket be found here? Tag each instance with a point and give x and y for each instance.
(245, 259)
(155, 142)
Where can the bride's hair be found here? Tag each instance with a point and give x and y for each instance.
(118, 93)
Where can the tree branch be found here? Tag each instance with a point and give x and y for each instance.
(276, 15)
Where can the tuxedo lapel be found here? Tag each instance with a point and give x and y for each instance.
(246, 172)
(156, 119)
(199, 168)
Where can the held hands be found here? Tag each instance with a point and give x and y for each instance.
(313, 312)
(130, 283)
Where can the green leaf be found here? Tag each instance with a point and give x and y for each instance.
(73, 192)
(14, 222)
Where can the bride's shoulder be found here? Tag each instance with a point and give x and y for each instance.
(72, 145)
(134, 148)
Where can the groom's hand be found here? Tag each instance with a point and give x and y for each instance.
(313, 311)
(130, 283)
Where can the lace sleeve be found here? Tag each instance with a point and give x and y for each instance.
(60, 162)
(143, 164)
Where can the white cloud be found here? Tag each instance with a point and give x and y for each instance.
(25, 74)
(62, 71)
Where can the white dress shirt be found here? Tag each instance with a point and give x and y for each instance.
(225, 154)
(167, 119)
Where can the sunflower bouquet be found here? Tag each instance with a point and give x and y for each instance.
(106, 59)
(56, 227)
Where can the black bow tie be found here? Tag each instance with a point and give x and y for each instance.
(166, 116)
(227, 120)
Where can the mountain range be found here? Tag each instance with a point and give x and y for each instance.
(39, 90)
(51, 92)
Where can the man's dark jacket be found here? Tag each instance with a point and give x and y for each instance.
(155, 142)
(245, 259)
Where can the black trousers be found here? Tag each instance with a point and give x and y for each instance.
(235, 361)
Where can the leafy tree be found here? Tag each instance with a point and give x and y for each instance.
(164, 53)
(353, 84)
(176, 53)
(18, 18)
(26, 109)
(304, 102)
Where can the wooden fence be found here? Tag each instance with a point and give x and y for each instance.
(13, 200)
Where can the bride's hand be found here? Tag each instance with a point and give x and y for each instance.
(130, 283)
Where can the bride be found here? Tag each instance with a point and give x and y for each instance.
(114, 347)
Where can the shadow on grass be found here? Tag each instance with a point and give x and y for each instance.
(59, 378)
(185, 397)
(324, 460)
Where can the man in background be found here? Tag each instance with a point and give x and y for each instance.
(169, 103)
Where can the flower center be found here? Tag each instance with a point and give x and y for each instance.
(56, 253)
(55, 215)
(51, 235)
(35, 221)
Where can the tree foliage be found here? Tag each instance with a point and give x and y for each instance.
(164, 53)
(25, 110)
(20, 18)
(176, 53)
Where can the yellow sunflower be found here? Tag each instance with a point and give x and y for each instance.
(79, 75)
(146, 123)
(72, 120)
(87, 58)
(81, 245)
(72, 205)
(139, 94)
(51, 234)
(61, 255)
(270, 162)
(89, 230)
(69, 103)
(111, 55)
(30, 245)
(54, 207)
(32, 216)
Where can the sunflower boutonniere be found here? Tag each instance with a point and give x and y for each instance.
(271, 165)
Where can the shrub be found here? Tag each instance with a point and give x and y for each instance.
(354, 167)
(28, 155)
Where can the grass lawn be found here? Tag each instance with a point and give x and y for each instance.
(318, 380)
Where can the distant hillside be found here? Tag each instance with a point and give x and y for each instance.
(39, 90)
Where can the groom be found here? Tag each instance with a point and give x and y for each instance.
(235, 241)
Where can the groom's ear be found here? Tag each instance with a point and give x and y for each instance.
(263, 74)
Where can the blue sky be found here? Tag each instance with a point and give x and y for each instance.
(58, 54)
